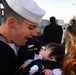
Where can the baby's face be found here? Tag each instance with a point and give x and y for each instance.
(44, 52)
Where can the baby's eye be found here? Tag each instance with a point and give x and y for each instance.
(31, 28)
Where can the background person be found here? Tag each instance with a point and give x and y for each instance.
(53, 32)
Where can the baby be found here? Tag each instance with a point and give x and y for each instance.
(49, 57)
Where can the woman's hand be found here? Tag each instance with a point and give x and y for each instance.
(48, 72)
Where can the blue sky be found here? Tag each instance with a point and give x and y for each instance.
(61, 9)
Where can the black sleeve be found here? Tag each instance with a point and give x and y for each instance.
(26, 70)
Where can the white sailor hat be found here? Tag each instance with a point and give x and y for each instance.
(28, 9)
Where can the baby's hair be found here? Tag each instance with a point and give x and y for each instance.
(58, 50)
